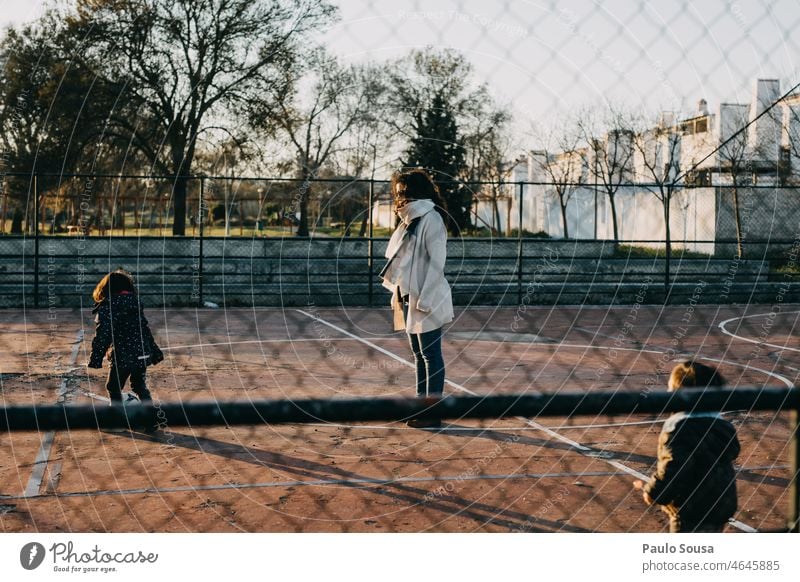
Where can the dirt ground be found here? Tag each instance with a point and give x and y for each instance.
(546, 474)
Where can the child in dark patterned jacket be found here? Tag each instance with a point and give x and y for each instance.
(120, 322)
(695, 481)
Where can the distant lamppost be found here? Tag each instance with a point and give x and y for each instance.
(259, 225)
(328, 204)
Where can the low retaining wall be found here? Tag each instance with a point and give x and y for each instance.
(297, 272)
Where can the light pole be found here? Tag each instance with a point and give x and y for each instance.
(259, 226)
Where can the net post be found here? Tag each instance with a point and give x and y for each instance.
(36, 240)
(519, 245)
(201, 220)
(667, 248)
(370, 249)
(793, 517)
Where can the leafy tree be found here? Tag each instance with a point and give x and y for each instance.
(191, 66)
(52, 110)
(438, 147)
(433, 103)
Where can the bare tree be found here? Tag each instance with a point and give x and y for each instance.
(790, 138)
(489, 147)
(657, 161)
(316, 122)
(736, 159)
(610, 156)
(369, 144)
(563, 163)
(188, 65)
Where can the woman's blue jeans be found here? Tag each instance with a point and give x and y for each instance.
(427, 348)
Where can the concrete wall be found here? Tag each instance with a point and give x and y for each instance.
(767, 214)
(297, 272)
(696, 214)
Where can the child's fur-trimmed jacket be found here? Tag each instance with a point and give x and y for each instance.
(695, 477)
(120, 322)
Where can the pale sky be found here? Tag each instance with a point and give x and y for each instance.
(17, 11)
(544, 57)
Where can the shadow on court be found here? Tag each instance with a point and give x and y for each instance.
(447, 503)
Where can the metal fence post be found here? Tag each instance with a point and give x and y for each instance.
(36, 240)
(519, 245)
(667, 246)
(793, 517)
(201, 219)
(370, 249)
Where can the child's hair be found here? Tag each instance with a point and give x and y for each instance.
(113, 283)
(416, 184)
(694, 375)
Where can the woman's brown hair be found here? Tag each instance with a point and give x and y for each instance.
(113, 283)
(416, 184)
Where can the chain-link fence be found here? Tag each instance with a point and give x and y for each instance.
(241, 246)
(294, 420)
(623, 192)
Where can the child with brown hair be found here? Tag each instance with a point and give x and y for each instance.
(121, 323)
(694, 481)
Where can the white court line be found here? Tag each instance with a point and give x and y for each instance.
(39, 465)
(750, 340)
(258, 341)
(42, 457)
(563, 345)
(503, 428)
(582, 449)
(775, 375)
(471, 340)
(325, 482)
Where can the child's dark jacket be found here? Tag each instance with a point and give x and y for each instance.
(120, 322)
(695, 476)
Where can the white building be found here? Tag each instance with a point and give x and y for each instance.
(693, 149)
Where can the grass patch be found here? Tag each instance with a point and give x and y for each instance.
(784, 272)
(636, 252)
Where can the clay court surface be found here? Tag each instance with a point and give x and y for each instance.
(541, 474)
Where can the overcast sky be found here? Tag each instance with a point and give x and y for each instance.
(542, 57)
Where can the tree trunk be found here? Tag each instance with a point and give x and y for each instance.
(302, 227)
(304, 195)
(182, 158)
(179, 204)
(613, 206)
(738, 221)
(564, 217)
(228, 206)
(668, 246)
(16, 222)
(497, 231)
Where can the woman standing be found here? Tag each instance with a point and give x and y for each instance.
(421, 297)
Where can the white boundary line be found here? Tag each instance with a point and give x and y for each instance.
(42, 457)
(750, 340)
(582, 449)
(325, 482)
(775, 375)
(229, 343)
(344, 482)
